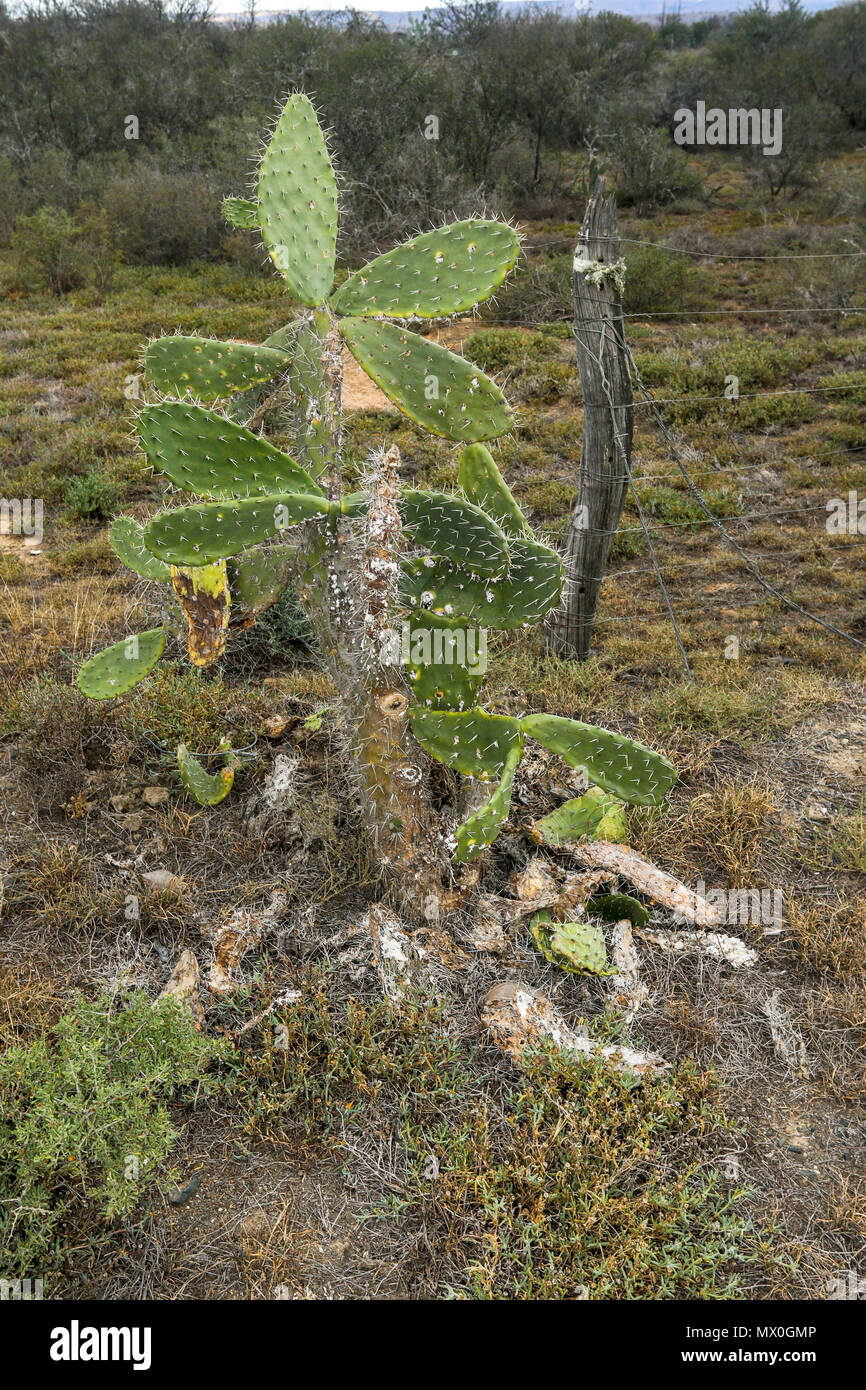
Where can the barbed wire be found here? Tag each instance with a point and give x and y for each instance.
(702, 255)
(714, 520)
(731, 256)
(736, 313)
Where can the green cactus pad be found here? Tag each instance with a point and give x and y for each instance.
(451, 527)
(596, 814)
(241, 212)
(531, 587)
(619, 907)
(206, 789)
(442, 272)
(216, 530)
(259, 579)
(127, 542)
(203, 452)
(440, 391)
(574, 946)
(627, 769)
(439, 680)
(479, 831)
(297, 206)
(119, 667)
(209, 369)
(484, 485)
(472, 741)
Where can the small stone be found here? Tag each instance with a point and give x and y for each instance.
(155, 796)
(164, 881)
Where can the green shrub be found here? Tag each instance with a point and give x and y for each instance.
(91, 498)
(540, 291)
(61, 253)
(651, 171)
(570, 1176)
(499, 349)
(165, 219)
(84, 1116)
(660, 282)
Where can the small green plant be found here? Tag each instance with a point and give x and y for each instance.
(568, 1181)
(84, 1115)
(64, 253)
(91, 498)
(398, 583)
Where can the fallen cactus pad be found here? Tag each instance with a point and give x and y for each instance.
(118, 668)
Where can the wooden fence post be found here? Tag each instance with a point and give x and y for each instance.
(599, 334)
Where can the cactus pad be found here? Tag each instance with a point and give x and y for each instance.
(127, 542)
(574, 946)
(439, 679)
(482, 827)
(241, 212)
(484, 485)
(472, 741)
(440, 391)
(530, 588)
(595, 814)
(201, 451)
(206, 789)
(203, 594)
(297, 205)
(259, 579)
(217, 530)
(627, 769)
(450, 526)
(442, 272)
(619, 907)
(209, 369)
(118, 668)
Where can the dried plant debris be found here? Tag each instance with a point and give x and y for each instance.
(518, 1017)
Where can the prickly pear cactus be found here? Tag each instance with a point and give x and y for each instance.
(578, 947)
(595, 815)
(370, 565)
(208, 789)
